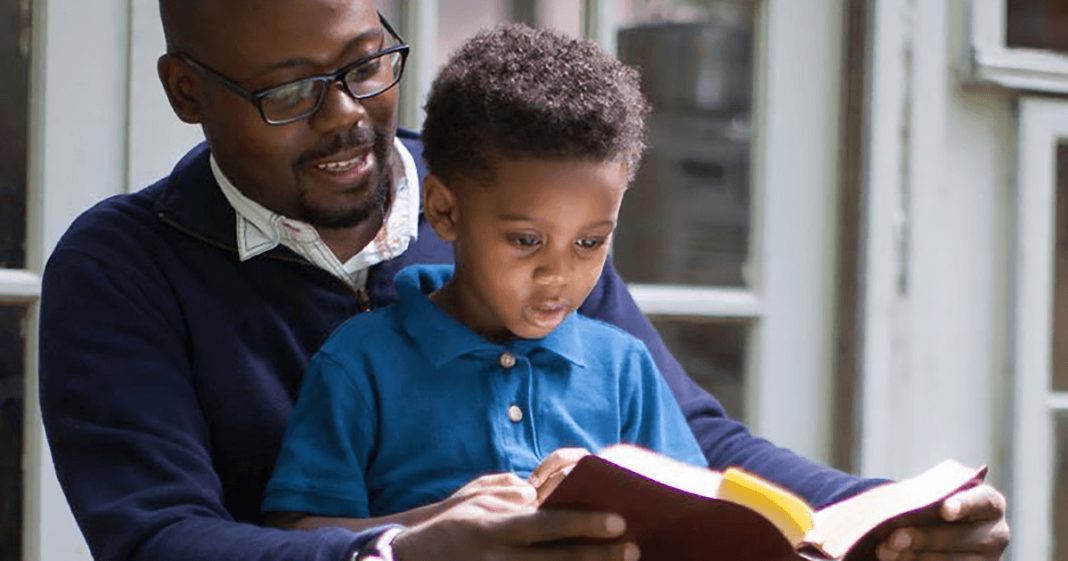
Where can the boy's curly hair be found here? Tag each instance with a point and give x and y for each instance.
(517, 92)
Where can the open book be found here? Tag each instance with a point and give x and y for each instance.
(678, 512)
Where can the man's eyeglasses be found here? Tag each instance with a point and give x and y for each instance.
(300, 99)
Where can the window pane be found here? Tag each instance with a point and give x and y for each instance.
(1060, 293)
(390, 9)
(1060, 490)
(1037, 24)
(11, 396)
(687, 218)
(462, 19)
(14, 107)
(713, 354)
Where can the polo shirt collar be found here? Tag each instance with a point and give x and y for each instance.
(443, 339)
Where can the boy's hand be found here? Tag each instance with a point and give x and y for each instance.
(485, 527)
(973, 528)
(553, 468)
(505, 486)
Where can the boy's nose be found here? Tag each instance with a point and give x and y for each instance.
(554, 272)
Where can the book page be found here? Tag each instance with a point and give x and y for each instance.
(841, 525)
(703, 482)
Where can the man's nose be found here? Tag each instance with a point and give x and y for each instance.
(339, 110)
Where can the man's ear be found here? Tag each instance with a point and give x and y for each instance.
(440, 208)
(182, 88)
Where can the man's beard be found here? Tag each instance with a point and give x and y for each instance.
(379, 191)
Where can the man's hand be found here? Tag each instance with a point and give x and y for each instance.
(973, 528)
(486, 527)
(552, 470)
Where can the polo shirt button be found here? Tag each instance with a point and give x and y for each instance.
(515, 414)
(507, 360)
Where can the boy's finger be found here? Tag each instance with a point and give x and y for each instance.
(491, 480)
(551, 483)
(552, 463)
(522, 492)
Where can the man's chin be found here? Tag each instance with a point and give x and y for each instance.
(336, 218)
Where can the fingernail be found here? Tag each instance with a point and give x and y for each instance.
(901, 540)
(631, 552)
(615, 524)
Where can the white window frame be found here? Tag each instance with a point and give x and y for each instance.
(78, 155)
(1043, 126)
(790, 304)
(993, 62)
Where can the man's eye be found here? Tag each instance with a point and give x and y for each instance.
(525, 241)
(365, 71)
(589, 243)
(293, 94)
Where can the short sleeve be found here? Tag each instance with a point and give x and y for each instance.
(651, 417)
(320, 468)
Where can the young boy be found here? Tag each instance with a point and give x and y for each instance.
(531, 140)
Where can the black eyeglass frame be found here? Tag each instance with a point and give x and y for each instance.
(338, 76)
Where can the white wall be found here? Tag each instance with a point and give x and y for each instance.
(938, 217)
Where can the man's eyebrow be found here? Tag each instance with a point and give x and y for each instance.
(299, 63)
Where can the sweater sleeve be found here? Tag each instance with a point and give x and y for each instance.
(131, 446)
(724, 441)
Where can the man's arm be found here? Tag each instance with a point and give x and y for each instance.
(725, 442)
(130, 444)
(973, 524)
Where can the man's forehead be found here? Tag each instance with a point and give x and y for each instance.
(194, 25)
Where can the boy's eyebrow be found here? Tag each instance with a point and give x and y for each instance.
(522, 218)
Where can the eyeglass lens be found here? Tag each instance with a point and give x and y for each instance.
(299, 99)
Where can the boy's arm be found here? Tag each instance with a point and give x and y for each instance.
(506, 487)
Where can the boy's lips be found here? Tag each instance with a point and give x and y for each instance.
(548, 313)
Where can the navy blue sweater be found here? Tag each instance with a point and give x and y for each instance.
(169, 368)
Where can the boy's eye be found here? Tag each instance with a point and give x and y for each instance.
(525, 241)
(589, 243)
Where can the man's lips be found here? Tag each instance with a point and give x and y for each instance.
(347, 165)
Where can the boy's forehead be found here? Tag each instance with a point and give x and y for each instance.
(527, 181)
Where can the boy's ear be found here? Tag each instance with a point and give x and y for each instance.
(180, 84)
(440, 208)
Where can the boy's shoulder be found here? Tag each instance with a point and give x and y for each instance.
(599, 334)
(378, 329)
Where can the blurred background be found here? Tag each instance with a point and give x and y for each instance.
(851, 225)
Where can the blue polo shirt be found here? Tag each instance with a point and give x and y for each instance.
(404, 405)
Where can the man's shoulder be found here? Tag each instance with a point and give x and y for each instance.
(118, 221)
(129, 222)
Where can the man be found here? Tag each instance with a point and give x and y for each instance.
(177, 321)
